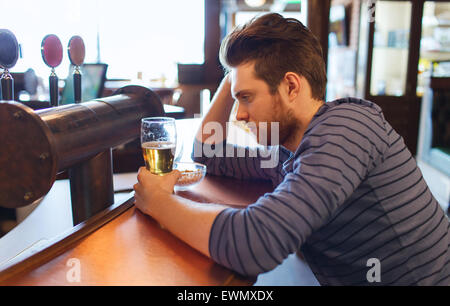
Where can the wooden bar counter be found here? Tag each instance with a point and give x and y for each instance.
(132, 249)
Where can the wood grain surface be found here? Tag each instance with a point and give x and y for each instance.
(132, 249)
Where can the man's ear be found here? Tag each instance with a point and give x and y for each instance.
(294, 84)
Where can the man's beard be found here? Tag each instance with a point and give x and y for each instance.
(287, 125)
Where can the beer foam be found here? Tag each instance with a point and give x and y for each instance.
(158, 145)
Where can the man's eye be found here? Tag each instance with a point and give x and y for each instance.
(245, 98)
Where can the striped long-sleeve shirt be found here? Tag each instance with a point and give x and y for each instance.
(350, 195)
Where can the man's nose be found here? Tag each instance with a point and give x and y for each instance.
(242, 113)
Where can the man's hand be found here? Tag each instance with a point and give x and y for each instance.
(152, 191)
(188, 220)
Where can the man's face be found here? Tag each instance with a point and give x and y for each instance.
(257, 105)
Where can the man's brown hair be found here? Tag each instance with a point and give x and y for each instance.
(277, 45)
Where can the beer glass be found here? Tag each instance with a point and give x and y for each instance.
(158, 141)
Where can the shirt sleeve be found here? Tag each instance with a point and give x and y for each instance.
(229, 160)
(333, 159)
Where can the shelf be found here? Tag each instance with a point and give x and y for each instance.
(435, 55)
(391, 48)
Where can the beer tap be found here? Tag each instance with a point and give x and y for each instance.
(9, 53)
(52, 53)
(76, 50)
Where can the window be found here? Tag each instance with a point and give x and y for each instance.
(239, 12)
(134, 36)
(434, 43)
(391, 48)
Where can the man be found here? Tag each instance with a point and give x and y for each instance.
(348, 193)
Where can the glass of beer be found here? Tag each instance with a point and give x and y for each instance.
(158, 141)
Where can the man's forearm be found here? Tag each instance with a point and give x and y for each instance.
(190, 221)
(219, 112)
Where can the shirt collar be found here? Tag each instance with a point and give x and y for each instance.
(289, 162)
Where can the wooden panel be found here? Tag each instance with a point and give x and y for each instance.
(440, 83)
(319, 21)
(212, 68)
(403, 115)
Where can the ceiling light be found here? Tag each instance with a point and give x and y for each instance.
(255, 3)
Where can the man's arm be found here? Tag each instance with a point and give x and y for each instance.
(219, 112)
